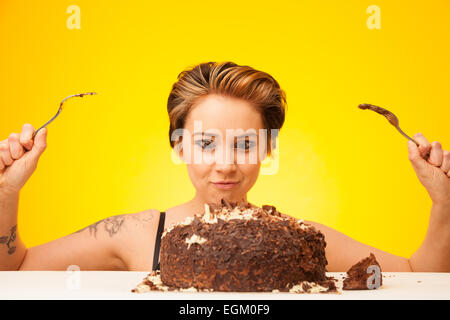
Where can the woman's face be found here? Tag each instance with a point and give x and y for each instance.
(221, 143)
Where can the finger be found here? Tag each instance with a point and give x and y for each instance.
(2, 165)
(418, 163)
(40, 143)
(436, 154)
(446, 161)
(5, 154)
(424, 145)
(15, 148)
(26, 136)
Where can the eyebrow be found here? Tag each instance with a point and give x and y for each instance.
(252, 134)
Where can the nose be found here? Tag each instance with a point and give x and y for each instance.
(226, 160)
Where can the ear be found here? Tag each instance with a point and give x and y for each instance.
(178, 149)
(177, 154)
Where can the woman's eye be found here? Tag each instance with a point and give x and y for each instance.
(210, 145)
(246, 145)
(205, 144)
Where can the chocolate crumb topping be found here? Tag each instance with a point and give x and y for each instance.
(242, 248)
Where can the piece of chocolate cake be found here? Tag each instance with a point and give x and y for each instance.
(365, 275)
(244, 248)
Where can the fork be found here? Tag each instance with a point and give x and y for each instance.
(392, 120)
(61, 107)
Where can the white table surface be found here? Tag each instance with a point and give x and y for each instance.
(118, 284)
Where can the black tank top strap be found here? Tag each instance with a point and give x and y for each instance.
(162, 218)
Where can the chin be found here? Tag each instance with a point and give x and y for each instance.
(227, 196)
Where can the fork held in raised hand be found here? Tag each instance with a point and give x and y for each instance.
(61, 107)
(392, 120)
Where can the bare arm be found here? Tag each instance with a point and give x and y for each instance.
(109, 244)
(121, 242)
(92, 248)
(342, 252)
(434, 174)
(434, 253)
(19, 156)
(432, 256)
(12, 249)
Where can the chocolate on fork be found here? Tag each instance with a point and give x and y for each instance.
(392, 120)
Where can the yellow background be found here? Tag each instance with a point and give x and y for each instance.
(339, 165)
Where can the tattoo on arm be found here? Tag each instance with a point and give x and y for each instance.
(111, 225)
(92, 228)
(8, 240)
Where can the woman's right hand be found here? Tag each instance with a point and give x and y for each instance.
(19, 155)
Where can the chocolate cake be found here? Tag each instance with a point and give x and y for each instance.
(359, 274)
(241, 247)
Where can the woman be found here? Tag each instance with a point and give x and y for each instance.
(211, 97)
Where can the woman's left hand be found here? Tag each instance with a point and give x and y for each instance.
(434, 173)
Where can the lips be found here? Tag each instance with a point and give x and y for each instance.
(225, 185)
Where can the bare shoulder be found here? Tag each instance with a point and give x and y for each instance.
(121, 224)
(142, 223)
(321, 227)
(136, 242)
(332, 236)
(148, 216)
